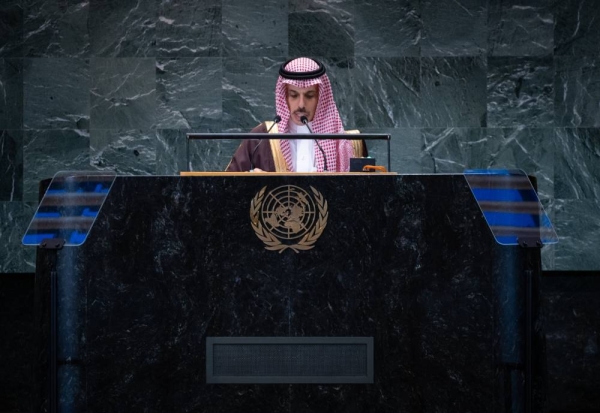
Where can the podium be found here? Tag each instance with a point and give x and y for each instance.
(285, 293)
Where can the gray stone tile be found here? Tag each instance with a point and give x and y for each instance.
(577, 92)
(577, 223)
(453, 91)
(387, 28)
(189, 93)
(340, 72)
(520, 28)
(450, 150)
(548, 251)
(123, 94)
(123, 28)
(453, 150)
(56, 29)
(528, 149)
(126, 152)
(46, 152)
(14, 220)
(11, 28)
(248, 92)
(577, 173)
(249, 30)
(454, 28)
(387, 92)
(577, 28)
(520, 92)
(56, 93)
(11, 93)
(405, 148)
(11, 165)
(188, 28)
(205, 155)
(318, 28)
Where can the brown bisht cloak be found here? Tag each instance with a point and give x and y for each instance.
(266, 154)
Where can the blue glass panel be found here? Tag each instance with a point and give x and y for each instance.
(514, 195)
(507, 240)
(69, 207)
(36, 239)
(77, 238)
(47, 214)
(87, 212)
(510, 206)
(509, 219)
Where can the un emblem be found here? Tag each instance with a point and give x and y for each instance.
(288, 217)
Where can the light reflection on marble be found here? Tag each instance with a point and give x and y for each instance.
(46, 152)
(188, 92)
(520, 28)
(577, 223)
(454, 28)
(56, 93)
(14, 219)
(56, 29)
(188, 28)
(387, 28)
(318, 28)
(388, 92)
(126, 152)
(11, 165)
(453, 91)
(577, 163)
(249, 30)
(577, 91)
(11, 93)
(123, 28)
(520, 92)
(123, 93)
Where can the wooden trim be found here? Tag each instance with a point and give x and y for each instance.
(323, 174)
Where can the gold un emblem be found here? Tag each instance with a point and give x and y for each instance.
(288, 217)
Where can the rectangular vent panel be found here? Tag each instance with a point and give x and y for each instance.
(289, 360)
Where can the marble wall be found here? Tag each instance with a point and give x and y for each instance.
(116, 84)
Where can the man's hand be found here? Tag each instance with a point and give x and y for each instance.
(256, 170)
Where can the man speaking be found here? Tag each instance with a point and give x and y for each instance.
(304, 104)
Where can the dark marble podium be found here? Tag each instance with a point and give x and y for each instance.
(407, 260)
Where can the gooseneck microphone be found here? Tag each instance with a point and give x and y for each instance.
(304, 120)
(276, 120)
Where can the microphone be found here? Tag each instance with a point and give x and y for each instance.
(304, 120)
(276, 120)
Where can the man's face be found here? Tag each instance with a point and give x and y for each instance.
(302, 102)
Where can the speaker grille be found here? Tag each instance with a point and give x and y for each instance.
(289, 360)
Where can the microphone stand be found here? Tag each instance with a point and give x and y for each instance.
(276, 120)
(304, 120)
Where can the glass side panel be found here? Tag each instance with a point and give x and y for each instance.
(510, 206)
(69, 207)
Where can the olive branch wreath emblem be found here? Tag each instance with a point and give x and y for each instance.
(271, 241)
